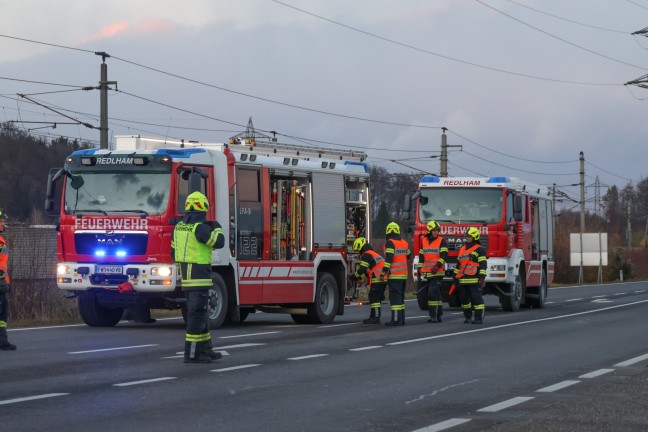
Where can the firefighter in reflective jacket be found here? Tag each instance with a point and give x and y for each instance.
(431, 265)
(397, 253)
(4, 288)
(470, 276)
(191, 247)
(371, 265)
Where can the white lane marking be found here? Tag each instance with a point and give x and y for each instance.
(620, 294)
(558, 386)
(640, 291)
(517, 324)
(549, 302)
(599, 296)
(573, 300)
(246, 335)
(338, 325)
(447, 424)
(235, 368)
(596, 373)
(126, 384)
(365, 348)
(505, 404)
(307, 357)
(244, 345)
(112, 349)
(601, 301)
(30, 398)
(632, 361)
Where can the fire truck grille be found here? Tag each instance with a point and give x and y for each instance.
(455, 243)
(110, 244)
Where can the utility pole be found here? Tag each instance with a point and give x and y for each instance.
(582, 212)
(103, 100)
(629, 235)
(444, 152)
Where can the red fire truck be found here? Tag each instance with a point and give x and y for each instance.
(289, 214)
(515, 219)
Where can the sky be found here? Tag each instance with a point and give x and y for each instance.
(522, 86)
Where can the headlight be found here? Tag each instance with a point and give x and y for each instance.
(498, 268)
(161, 271)
(62, 269)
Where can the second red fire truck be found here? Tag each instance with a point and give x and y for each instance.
(515, 220)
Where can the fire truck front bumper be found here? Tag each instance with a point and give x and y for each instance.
(143, 277)
(498, 271)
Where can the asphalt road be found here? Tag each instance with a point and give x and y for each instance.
(546, 369)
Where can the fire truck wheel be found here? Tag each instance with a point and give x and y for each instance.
(324, 309)
(217, 302)
(95, 315)
(512, 303)
(541, 298)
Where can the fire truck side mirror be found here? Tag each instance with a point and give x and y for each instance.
(517, 207)
(407, 204)
(195, 181)
(52, 204)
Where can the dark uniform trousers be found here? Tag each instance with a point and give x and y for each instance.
(197, 322)
(435, 305)
(471, 296)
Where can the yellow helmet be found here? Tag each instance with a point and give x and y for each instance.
(433, 225)
(196, 201)
(359, 243)
(473, 232)
(392, 228)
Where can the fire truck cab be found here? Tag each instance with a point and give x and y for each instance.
(515, 220)
(289, 214)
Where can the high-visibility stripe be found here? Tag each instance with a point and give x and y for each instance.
(3, 324)
(196, 282)
(375, 305)
(197, 337)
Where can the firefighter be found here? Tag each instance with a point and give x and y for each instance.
(397, 253)
(470, 276)
(432, 258)
(5, 287)
(371, 265)
(191, 248)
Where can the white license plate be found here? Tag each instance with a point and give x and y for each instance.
(108, 269)
(451, 266)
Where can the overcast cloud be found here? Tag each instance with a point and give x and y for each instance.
(539, 85)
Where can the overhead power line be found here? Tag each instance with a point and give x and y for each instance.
(567, 19)
(424, 51)
(559, 38)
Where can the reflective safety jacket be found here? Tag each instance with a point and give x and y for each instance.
(471, 265)
(191, 246)
(397, 253)
(371, 264)
(4, 259)
(433, 252)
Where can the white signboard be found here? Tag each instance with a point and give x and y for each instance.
(594, 251)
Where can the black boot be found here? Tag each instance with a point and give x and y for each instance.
(195, 353)
(479, 317)
(433, 314)
(374, 316)
(4, 341)
(467, 315)
(402, 316)
(208, 350)
(439, 313)
(395, 319)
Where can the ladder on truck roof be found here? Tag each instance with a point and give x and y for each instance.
(304, 151)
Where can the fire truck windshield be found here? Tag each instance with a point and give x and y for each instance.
(123, 191)
(461, 205)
